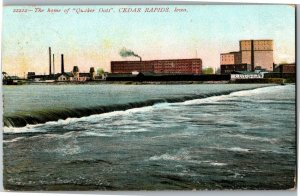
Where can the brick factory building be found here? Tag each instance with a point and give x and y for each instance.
(227, 69)
(286, 68)
(171, 66)
(256, 53)
(230, 58)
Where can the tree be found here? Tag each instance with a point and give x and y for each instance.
(208, 70)
(100, 71)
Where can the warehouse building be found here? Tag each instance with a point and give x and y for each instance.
(171, 66)
(227, 69)
(255, 54)
(230, 58)
(285, 68)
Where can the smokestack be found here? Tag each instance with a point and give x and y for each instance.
(53, 65)
(140, 58)
(49, 61)
(62, 64)
(252, 55)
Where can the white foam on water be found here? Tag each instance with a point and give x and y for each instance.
(213, 99)
(256, 91)
(69, 121)
(249, 137)
(26, 129)
(236, 175)
(217, 164)
(170, 157)
(134, 130)
(176, 135)
(13, 140)
(98, 117)
(184, 156)
(233, 149)
(242, 93)
(179, 156)
(89, 133)
(67, 149)
(277, 152)
(238, 149)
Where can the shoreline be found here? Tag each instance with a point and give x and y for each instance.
(103, 82)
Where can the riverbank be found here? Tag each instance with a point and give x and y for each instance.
(238, 81)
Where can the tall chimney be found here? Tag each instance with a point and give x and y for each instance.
(49, 61)
(62, 64)
(252, 55)
(53, 65)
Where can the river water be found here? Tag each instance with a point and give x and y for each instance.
(219, 136)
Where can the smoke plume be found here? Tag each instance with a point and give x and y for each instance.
(126, 53)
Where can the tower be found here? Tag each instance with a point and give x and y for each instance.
(62, 64)
(50, 61)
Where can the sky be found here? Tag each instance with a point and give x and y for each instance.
(95, 39)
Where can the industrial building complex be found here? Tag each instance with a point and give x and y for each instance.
(254, 60)
(172, 66)
(253, 54)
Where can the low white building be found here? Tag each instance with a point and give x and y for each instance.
(64, 77)
(245, 75)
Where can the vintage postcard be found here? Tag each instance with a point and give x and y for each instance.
(149, 97)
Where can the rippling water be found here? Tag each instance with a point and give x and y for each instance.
(239, 140)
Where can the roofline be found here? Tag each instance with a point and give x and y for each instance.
(256, 40)
(235, 64)
(231, 52)
(159, 60)
(286, 64)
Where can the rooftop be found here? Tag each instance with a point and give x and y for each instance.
(162, 60)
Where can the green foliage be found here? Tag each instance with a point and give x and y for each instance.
(208, 70)
(100, 71)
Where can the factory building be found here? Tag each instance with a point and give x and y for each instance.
(64, 77)
(230, 58)
(76, 76)
(171, 66)
(229, 68)
(255, 54)
(285, 68)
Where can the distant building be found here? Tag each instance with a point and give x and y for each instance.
(75, 73)
(74, 76)
(245, 75)
(230, 58)
(227, 69)
(285, 68)
(30, 74)
(287, 71)
(64, 77)
(256, 53)
(84, 77)
(174, 66)
(40, 78)
(92, 73)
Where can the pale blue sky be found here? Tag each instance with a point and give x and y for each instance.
(94, 39)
